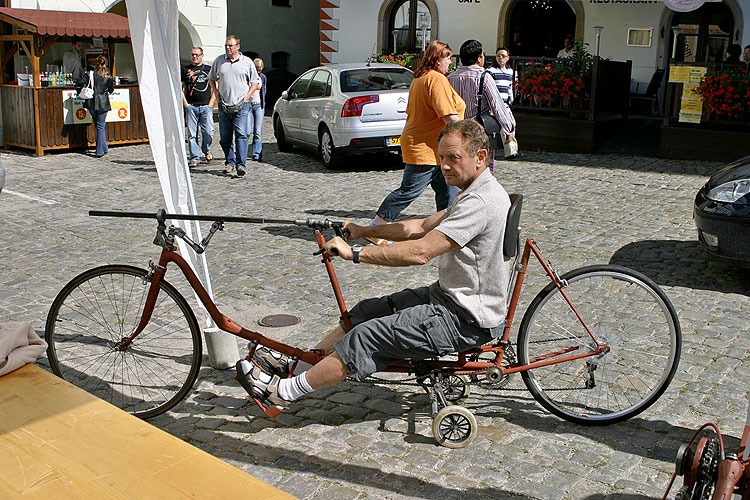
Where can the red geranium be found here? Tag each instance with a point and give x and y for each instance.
(548, 82)
(725, 92)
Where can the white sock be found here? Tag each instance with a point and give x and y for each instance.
(295, 387)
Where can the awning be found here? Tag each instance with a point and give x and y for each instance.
(65, 23)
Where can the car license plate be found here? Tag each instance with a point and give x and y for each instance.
(393, 141)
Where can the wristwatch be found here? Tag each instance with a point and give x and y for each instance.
(355, 250)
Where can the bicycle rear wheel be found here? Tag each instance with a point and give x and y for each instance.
(625, 310)
(101, 307)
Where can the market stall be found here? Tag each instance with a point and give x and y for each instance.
(40, 109)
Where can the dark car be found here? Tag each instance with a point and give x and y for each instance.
(722, 214)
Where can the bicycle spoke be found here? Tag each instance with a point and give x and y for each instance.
(623, 312)
(96, 312)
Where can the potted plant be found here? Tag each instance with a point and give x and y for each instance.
(726, 92)
(544, 84)
(404, 59)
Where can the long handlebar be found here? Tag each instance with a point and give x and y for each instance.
(161, 216)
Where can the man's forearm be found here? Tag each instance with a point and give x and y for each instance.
(396, 231)
(400, 254)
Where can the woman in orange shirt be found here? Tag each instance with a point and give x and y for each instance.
(432, 104)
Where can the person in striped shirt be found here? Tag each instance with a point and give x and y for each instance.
(466, 79)
(503, 74)
(504, 79)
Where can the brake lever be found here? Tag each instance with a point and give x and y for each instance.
(341, 232)
(332, 251)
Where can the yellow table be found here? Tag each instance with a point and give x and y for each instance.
(60, 442)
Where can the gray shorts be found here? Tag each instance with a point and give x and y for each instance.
(414, 324)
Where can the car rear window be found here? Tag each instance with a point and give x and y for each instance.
(369, 79)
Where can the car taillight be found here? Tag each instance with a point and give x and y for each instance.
(353, 106)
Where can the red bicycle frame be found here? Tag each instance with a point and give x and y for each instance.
(461, 365)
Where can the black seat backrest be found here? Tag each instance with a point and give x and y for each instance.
(655, 83)
(513, 227)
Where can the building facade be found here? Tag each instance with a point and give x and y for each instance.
(636, 30)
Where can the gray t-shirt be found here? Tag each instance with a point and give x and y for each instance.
(234, 77)
(476, 274)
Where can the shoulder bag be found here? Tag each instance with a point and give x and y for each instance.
(487, 120)
(87, 92)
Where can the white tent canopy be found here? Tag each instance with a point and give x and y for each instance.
(154, 35)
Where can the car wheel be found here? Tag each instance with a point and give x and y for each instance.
(278, 131)
(331, 159)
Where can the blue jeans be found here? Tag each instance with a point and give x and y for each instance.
(235, 151)
(415, 180)
(99, 118)
(255, 128)
(203, 115)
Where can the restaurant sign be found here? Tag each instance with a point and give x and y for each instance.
(686, 5)
(75, 113)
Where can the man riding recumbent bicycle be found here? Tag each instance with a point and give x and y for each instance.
(597, 345)
(464, 310)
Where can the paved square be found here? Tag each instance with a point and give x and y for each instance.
(370, 440)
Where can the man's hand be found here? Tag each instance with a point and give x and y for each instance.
(355, 230)
(338, 246)
(508, 138)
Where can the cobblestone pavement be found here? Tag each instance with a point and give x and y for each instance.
(371, 440)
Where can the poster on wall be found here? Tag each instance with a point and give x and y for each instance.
(75, 113)
(691, 104)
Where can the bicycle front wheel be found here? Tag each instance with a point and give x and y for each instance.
(99, 309)
(626, 311)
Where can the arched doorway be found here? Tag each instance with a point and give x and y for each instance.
(539, 27)
(704, 34)
(407, 25)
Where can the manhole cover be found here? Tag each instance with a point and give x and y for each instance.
(278, 320)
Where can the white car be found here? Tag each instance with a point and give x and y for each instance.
(344, 109)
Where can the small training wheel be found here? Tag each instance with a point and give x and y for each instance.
(456, 388)
(454, 427)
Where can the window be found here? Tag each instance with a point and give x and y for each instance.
(368, 80)
(298, 89)
(320, 85)
(639, 37)
(280, 59)
(409, 27)
(704, 34)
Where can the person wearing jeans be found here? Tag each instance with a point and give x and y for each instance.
(234, 124)
(202, 116)
(415, 180)
(198, 100)
(257, 111)
(233, 79)
(98, 106)
(433, 103)
(255, 130)
(100, 122)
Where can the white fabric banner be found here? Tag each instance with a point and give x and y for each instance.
(154, 36)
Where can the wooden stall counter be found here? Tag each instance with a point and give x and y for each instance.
(34, 118)
(59, 442)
